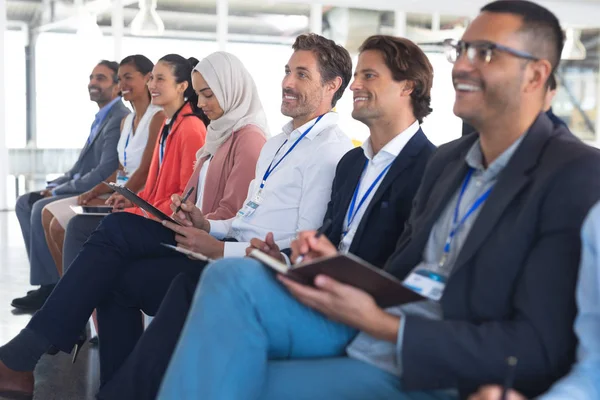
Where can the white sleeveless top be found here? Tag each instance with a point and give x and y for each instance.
(131, 146)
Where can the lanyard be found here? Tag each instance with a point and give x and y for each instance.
(166, 132)
(352, 211)
(456, 225)
(127, 142)
(272, 167)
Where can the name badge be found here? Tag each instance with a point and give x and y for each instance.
(251, 206)
(427, 283)
(122, 178)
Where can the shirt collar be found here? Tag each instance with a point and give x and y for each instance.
(101, 114)
(394, 146)
(474, 158)
(329, 119)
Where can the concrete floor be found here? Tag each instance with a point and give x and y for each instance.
(56, 378)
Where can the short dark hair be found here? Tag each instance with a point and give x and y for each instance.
(408, 62)
(551, 82)
(113, 66)
(538, 22)
(333, 60)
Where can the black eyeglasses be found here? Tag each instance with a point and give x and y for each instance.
(480, 52)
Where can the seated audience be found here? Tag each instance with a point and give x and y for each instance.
(550, 94)
(121, 268)
(583, 382)
(492, 244)
(97, 161)
(397, 152)
(138, 136)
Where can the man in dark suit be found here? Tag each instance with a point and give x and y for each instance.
(492, 243)
(97, 161)
(383, 177)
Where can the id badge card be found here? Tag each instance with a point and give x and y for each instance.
(427, 283)
(122, 178)
(251, 206)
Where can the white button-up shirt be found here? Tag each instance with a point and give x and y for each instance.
(375, 166)
(296, 193)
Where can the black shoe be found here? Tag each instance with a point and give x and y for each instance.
(34, 300)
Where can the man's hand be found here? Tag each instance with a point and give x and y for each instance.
(46, 193)
(118, 202)
(310, 247)
(268, 246)
(86, 197)
(495, 393)
(196, 240)
(346, 304)
(189, 215)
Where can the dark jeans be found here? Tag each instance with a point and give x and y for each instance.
(120, 270)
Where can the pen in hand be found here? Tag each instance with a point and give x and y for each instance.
(511, 363)
(185, 198)
(318, 234)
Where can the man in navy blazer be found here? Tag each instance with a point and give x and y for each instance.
(96, 162)
(492, 243)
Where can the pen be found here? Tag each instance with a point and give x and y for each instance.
(318, 234)
(510, 375)
(185, 198)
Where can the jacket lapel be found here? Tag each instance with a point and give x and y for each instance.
(511, 181)
(401, 163)
(99, 132)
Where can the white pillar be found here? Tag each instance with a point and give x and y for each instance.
(435, 21)
(597, 141)
(400, 23)
(3, 148)
(222, 23)
(118, 27)
(316, 18)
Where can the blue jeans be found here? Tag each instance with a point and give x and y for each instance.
(247, 338)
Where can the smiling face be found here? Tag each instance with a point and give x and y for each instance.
(207, 100)
(132, 83)
(485, 92)
(102, 88)
(376, 93)
(163, 87)
(303, 93)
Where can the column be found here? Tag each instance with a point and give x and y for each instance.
(118, 26)
(400, 23)
(316, 18)
(222, 24)
(3, 148)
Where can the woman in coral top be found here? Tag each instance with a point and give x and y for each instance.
(180, 137)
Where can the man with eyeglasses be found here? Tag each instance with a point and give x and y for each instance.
(492, 243)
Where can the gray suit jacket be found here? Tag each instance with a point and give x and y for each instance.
(98, 160)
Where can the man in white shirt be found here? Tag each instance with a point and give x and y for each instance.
(295, 170)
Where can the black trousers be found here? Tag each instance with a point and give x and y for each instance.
(141, 374)
(120, 270)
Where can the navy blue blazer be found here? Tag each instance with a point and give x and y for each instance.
(512, 288)
(388, 211)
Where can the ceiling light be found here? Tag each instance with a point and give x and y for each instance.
(574, 48)
(147, 22)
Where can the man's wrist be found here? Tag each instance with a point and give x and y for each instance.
(382, 325)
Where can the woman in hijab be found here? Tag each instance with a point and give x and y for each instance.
(119, 274)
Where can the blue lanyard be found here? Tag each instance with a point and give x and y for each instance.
(351, 211)
(272, 167)
(127, 142)
(456, 225)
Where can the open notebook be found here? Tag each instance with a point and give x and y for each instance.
(350, 270)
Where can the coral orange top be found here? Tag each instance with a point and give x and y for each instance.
(186, 137)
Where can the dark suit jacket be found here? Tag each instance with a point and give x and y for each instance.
(512, 288)
(98, 160)
(389, 209)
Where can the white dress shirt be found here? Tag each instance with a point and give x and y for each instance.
(375, 166)
(296, 193)
(202, 182)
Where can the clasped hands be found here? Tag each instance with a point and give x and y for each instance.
(339, 302)
(193, 233)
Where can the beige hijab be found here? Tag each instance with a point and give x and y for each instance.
(236, 93)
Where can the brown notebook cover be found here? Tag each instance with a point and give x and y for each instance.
(350, 270)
